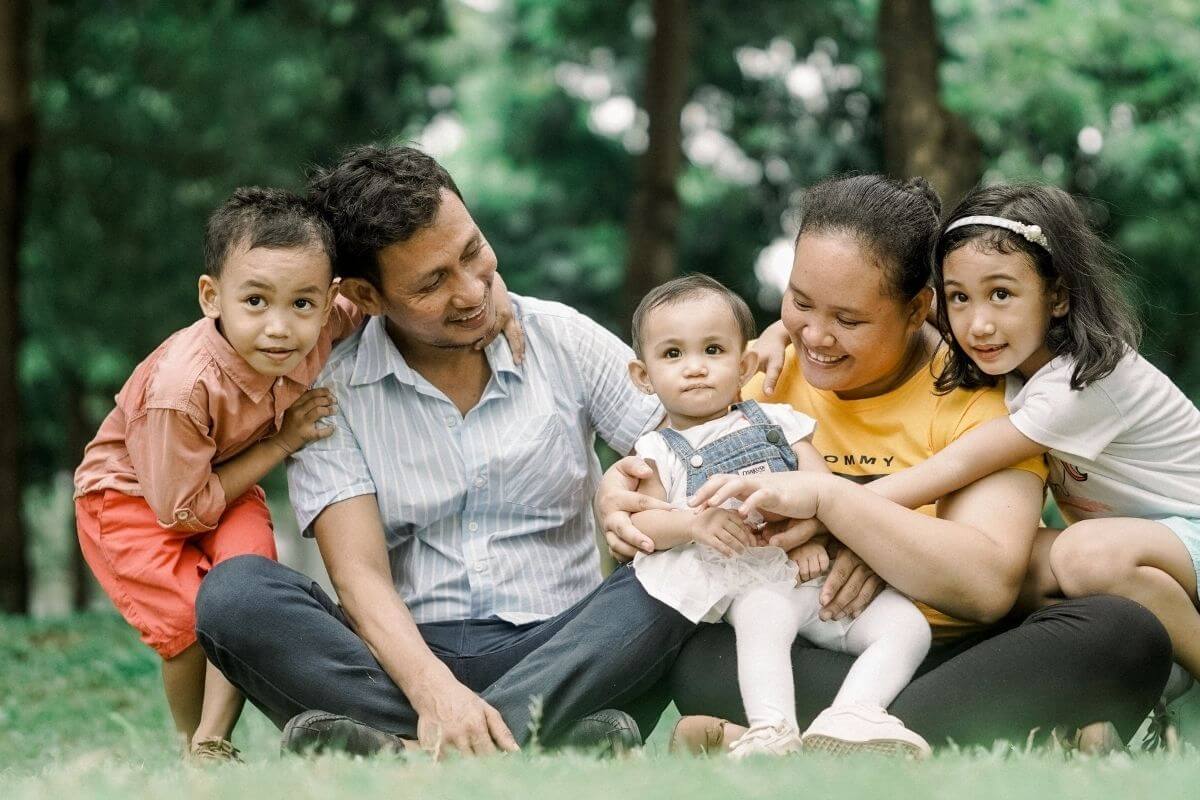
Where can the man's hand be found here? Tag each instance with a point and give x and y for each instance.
(850, 587)
(506, 322)
(811, 558)
(722, 530)
(299, 426)
(770, 348)
(452, 717)
(616, 499)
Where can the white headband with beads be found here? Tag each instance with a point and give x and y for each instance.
(1031, 233)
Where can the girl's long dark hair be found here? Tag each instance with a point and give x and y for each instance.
(1100, 326)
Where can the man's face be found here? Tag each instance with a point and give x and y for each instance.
(436, 286)
(270, 303)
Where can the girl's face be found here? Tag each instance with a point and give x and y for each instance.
(1000, 309)
(852, 335)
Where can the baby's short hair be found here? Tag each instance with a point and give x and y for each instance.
(263, 218)
(689, 286)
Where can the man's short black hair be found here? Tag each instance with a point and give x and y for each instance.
(685, 288)
(263, 218)
(375, 197)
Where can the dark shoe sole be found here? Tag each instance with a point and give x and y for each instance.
(315, 732)
(605, 733)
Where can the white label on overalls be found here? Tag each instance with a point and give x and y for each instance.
(754, 469)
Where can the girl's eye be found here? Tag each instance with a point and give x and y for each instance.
(713, 350)
(956, 297)
(672, 352)
(1001, 294)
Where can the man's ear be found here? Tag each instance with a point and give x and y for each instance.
(640, 377)
(364, 295)
(209, 295)
(748, 366)
(1060, 300)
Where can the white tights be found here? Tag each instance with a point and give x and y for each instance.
(890, 638)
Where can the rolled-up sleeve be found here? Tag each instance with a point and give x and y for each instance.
(172, 454)
(327, 471)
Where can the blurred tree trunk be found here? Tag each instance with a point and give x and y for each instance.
(653, 227)
(16, 144)
(921, 136)
(77, 439)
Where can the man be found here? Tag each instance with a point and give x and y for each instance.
(451, 506)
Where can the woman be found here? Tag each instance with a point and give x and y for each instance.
(863, 364)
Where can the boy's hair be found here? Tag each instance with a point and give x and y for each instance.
(1100, 326)
(375, 197)
(263, 218)
(689, 286)
(894, 221)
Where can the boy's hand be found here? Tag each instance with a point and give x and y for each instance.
(300, 420)
(506, 322)
(722, 530)
(811, 558)
(770, 349)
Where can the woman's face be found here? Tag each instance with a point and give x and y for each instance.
(852, 335)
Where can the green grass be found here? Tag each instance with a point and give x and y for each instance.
(82, 715)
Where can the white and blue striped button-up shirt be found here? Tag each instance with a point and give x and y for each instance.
(487, 514)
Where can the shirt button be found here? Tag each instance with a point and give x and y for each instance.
(480, 566)
(182, 515)
(480, 481)
(472, 526)
(697, 461)
(451, 422)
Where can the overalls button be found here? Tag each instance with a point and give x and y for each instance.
(697, 461)
(773, 437)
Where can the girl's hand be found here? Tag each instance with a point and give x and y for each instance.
(792, 494)
(506, 322)
(722, 530)
(617, 498)
(811, 558)
(770, 348)
(300, 426)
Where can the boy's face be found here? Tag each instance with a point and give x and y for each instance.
(693, 358)
(271, 303)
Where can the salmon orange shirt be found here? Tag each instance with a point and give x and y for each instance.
(192, 404)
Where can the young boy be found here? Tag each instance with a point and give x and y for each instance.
(690, 336)
(167, 488)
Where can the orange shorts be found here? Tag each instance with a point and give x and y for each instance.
(153, 574)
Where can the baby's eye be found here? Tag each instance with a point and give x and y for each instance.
(713, 350)
(672, 352)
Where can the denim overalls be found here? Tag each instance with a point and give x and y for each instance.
(761, 447)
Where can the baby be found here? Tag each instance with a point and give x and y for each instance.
(690, 338)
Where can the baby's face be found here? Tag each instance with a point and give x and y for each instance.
(271, 304)
(692, 351)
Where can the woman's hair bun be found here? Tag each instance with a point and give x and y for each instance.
(922, 187)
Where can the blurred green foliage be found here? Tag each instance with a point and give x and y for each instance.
(151, 113)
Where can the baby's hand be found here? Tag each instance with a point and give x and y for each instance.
(770, 350)
(811, 558)
(722, 530)
(300, 420)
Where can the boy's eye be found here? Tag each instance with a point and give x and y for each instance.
(1001, 294)
(672, 352)
(304, 304)
(713, 350)
(849, 323)
(254, 301)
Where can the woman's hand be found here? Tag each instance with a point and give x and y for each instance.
(791, 494)
(506, 322)
(617, 498)
(770, 348)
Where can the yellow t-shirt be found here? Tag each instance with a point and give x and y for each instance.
(875, 436)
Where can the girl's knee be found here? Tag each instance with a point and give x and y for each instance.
(1085, 562)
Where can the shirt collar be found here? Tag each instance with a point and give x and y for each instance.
(377, 357)
(252, 382)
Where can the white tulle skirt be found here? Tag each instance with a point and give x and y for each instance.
(700, 583)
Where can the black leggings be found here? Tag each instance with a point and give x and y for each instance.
(1081, 661)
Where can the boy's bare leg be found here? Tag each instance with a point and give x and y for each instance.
(222, 706)
(183, 682)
